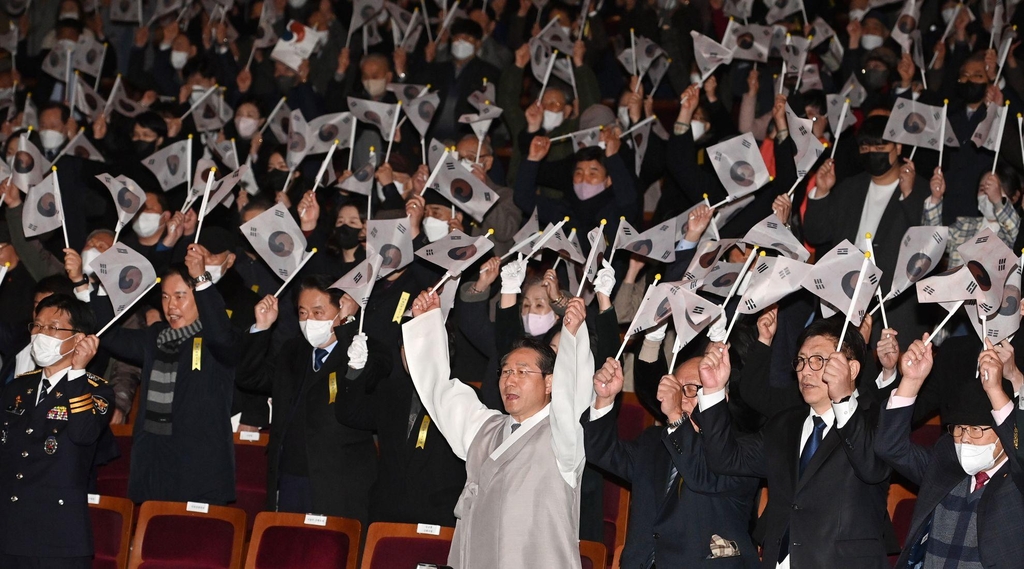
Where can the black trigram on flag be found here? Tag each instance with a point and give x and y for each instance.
(980, 240)
(785, 272)
(819, 284)
(751, 305)
(843, 251)
(253, 232)
(762, 267)
(971, 287)
(935, 236)
(928, 290)
(985, 307)
(698, 310)
(772, 225)
(428, 252)
(746, 143)
(873, 279)
(1002, 264)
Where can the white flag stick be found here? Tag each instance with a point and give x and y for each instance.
(323, 166)
(408, 29)
(999, 134)
(639, 310)
(140, 12)
(942, 128)
(548, 235)
(853, 301)
(441, 282)
(117, 233)
(394, 127)
(578, 132)
(956, 307)
(206, 199)
(583, 19)
(113, 93)
(1020, 131)
(632, 46)
(195, 105)
(572, 78)
(591, 259)
(638, 125)
(67, 74)
(188, 168)
(913, 151)
(128, 308)
(1003, 52)
(305, 259)
(448, 18)
(423, 149)
(60, 205)
(433, 174)
(736, 314)
(352, 143)
(426, 21)
(945, 34)
(3, 271)
(792, 190)
(547, 74)
(736, 284)
(728, 199)
(521, 245)
(103, 56)
(277, 107)
(842, 122)
(878, 291)
(676, 348)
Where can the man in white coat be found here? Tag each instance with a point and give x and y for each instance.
(521, 504)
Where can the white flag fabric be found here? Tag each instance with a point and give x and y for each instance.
(750, 42)
(918, 124)
(531, 226)
(456, 251)
(990, 262)
(657, 243)
(364, 11)
(434, 152)
(555, 38)
(265, 35)
(586, 138)
(380, 115)
(598, 248)
(41, 213)
(949, 286)
(120, 102)
(771, 280)
(322, 131)
(821, 32)
(854, 91)
(704, 260)
(834, 278)
(203, 171)
(781, 9)
(361, 181)
(222, 188)
(771, 233)
(280, 121)
(657, 72)
(125, 11)
(87, 100)
(808, 147)
(485, 95)
(739, 165)
(567, 246)
(654, 309)
(721, 278)
(811, 78)
(646, 53)
(29, 166)
(691, 313)
(1006, 319)
(624, 234)
(459, 186)
(56, 63)
(212, 113)
(296, 44)
(921, 250)
(358, 283)
(709, 54)
(127, 195)
(906, 24)
(421, 111)
(168, 165)
(481, 120)
(277, 239)
(125, 274)
(835, 110)
(986, 135)
(540, 55)
(740, 9)
(298, 140)
(640, 137)
(391, 239)
(88, 56)
(794, 52)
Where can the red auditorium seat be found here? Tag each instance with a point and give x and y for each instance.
(299, 541)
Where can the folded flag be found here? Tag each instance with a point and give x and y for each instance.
(277, 239)
(834, 278)
(125, 275)
(168, 165)
(391, 239)
(455, 252)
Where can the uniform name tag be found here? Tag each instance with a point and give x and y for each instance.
(197, 353)
(197, 507)
(400, 309)
(315, 520)
(428, 529)
(332, 386)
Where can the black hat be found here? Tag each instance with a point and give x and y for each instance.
(217, 240)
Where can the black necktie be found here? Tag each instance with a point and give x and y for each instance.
(319, 354)
(516, 426)
(44, 389)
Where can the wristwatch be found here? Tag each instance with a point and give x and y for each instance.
(83, 282)
(679, 422)
(205, 277)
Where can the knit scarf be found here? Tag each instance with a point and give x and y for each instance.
(160, 394)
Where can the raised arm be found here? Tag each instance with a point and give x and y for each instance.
(571, 391)
(893, 444)
(453, 405)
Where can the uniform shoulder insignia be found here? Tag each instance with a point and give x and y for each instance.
(95, 380)
(35, 371)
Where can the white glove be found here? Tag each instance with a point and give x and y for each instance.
(716, 333)
(604, 281)
(513, 275)
(358, 352)
(657, 334)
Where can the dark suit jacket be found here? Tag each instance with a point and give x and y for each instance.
(342, 462)
(676, 528)
(835, 512)
(937, 471)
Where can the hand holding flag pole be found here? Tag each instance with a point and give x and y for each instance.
(639, 311)
(853, 301)
(195, 105)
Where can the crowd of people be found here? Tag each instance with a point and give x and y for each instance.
(427, 246)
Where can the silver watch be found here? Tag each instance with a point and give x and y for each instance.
(205, 277)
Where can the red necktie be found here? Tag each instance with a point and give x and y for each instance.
(979, 480)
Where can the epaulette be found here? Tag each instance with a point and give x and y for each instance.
(40, 370)
(95, 380)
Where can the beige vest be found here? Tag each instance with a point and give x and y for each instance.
(516, 512)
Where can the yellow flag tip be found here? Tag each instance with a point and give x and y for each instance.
(7, 264)
(213, 169)
(53, 168)
(232, 139)
(604, 222)
(867, 254)
(541, 232)
(810, 37)
(1007, 103)
(30, 127)
(622, 217)
(824, 144)
(847, 100)
(556, 52)
(763, 253)
(631, 30)
(771, 178)
(657, 277)
(945, 101)
(1019, 115)
(867, 235)
(81, 129)
(371, 149)
(566, 218)
(336, 141)
(399, 102)
(158, 279)
(705, 196)
(486, 102)
(313, 250)
(190, 137)
(490, 231)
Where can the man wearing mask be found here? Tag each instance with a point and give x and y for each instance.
(504, 217)
(55, 128)
(156, 230)
(315, 463)
(970, 487)
(54, 418)
(885, 200)
(370, 84)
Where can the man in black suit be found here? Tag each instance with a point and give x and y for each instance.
(53, 417)
(677, 503)
(315, 463)
(827, 497)
(884, 201)
(970, 501)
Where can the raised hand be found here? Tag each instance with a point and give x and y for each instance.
(575, 313)
(539, 147)
(715, 368)
(85, 349)
(915, 365)
(938, 186)
(425, 302)
(825, 179)
(767, 325)
(670, 394)
(266, 312)
(888, 351)
(607, 383)
(838, 377)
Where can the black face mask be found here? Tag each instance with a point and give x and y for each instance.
(285, 83)
(144, 148)
(877, 163)
(876, 79)
(346, 237)
(274, 180)
(971, 92)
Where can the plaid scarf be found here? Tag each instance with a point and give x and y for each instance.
(160, 393)
(953, 541)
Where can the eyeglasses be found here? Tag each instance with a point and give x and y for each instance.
(972, 431)
(690, 390)
(47, 329)
(816, 363)
(519, 373)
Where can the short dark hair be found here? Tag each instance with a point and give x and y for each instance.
(161, 198)
(180, 270)
(321, 283)
(54, 284)
(832, 327)
(79, 313)
(65, 112)
(872, 132)
(468, 27)
(545, 355)
(814, 98)
(153, 122)
(590, 154)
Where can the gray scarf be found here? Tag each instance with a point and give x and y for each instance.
(160, 394)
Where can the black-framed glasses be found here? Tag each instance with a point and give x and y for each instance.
(973, 431)
(519, 373)
(47, 329)
(815, 362)
(690, 390)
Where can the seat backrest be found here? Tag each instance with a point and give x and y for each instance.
(112, 478)
(111, 531)
(251, 474)
(633, 418)
(616, 513)
(617, 560)
(301, 541)
(402, 546)
(176, 534)
(593, 555)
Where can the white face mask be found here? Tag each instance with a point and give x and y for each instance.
(695, 79)
(216, 272)
(317, 332)
(51, 139)
(552, 120)
(871, 41)
(538, 324)
(986, 207)
(698, 128)
(68, 16)
(466, 163)
(375, 87)
(197, 94)
(88, 256)
(434, 228)
(566, 30)
(246, 126)
(147, 224)
(975, 458)
(296, 3)
(179, 59)
(624, 117)
(948, 13)
(462, 49)
(46, 350)
(66, 45)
